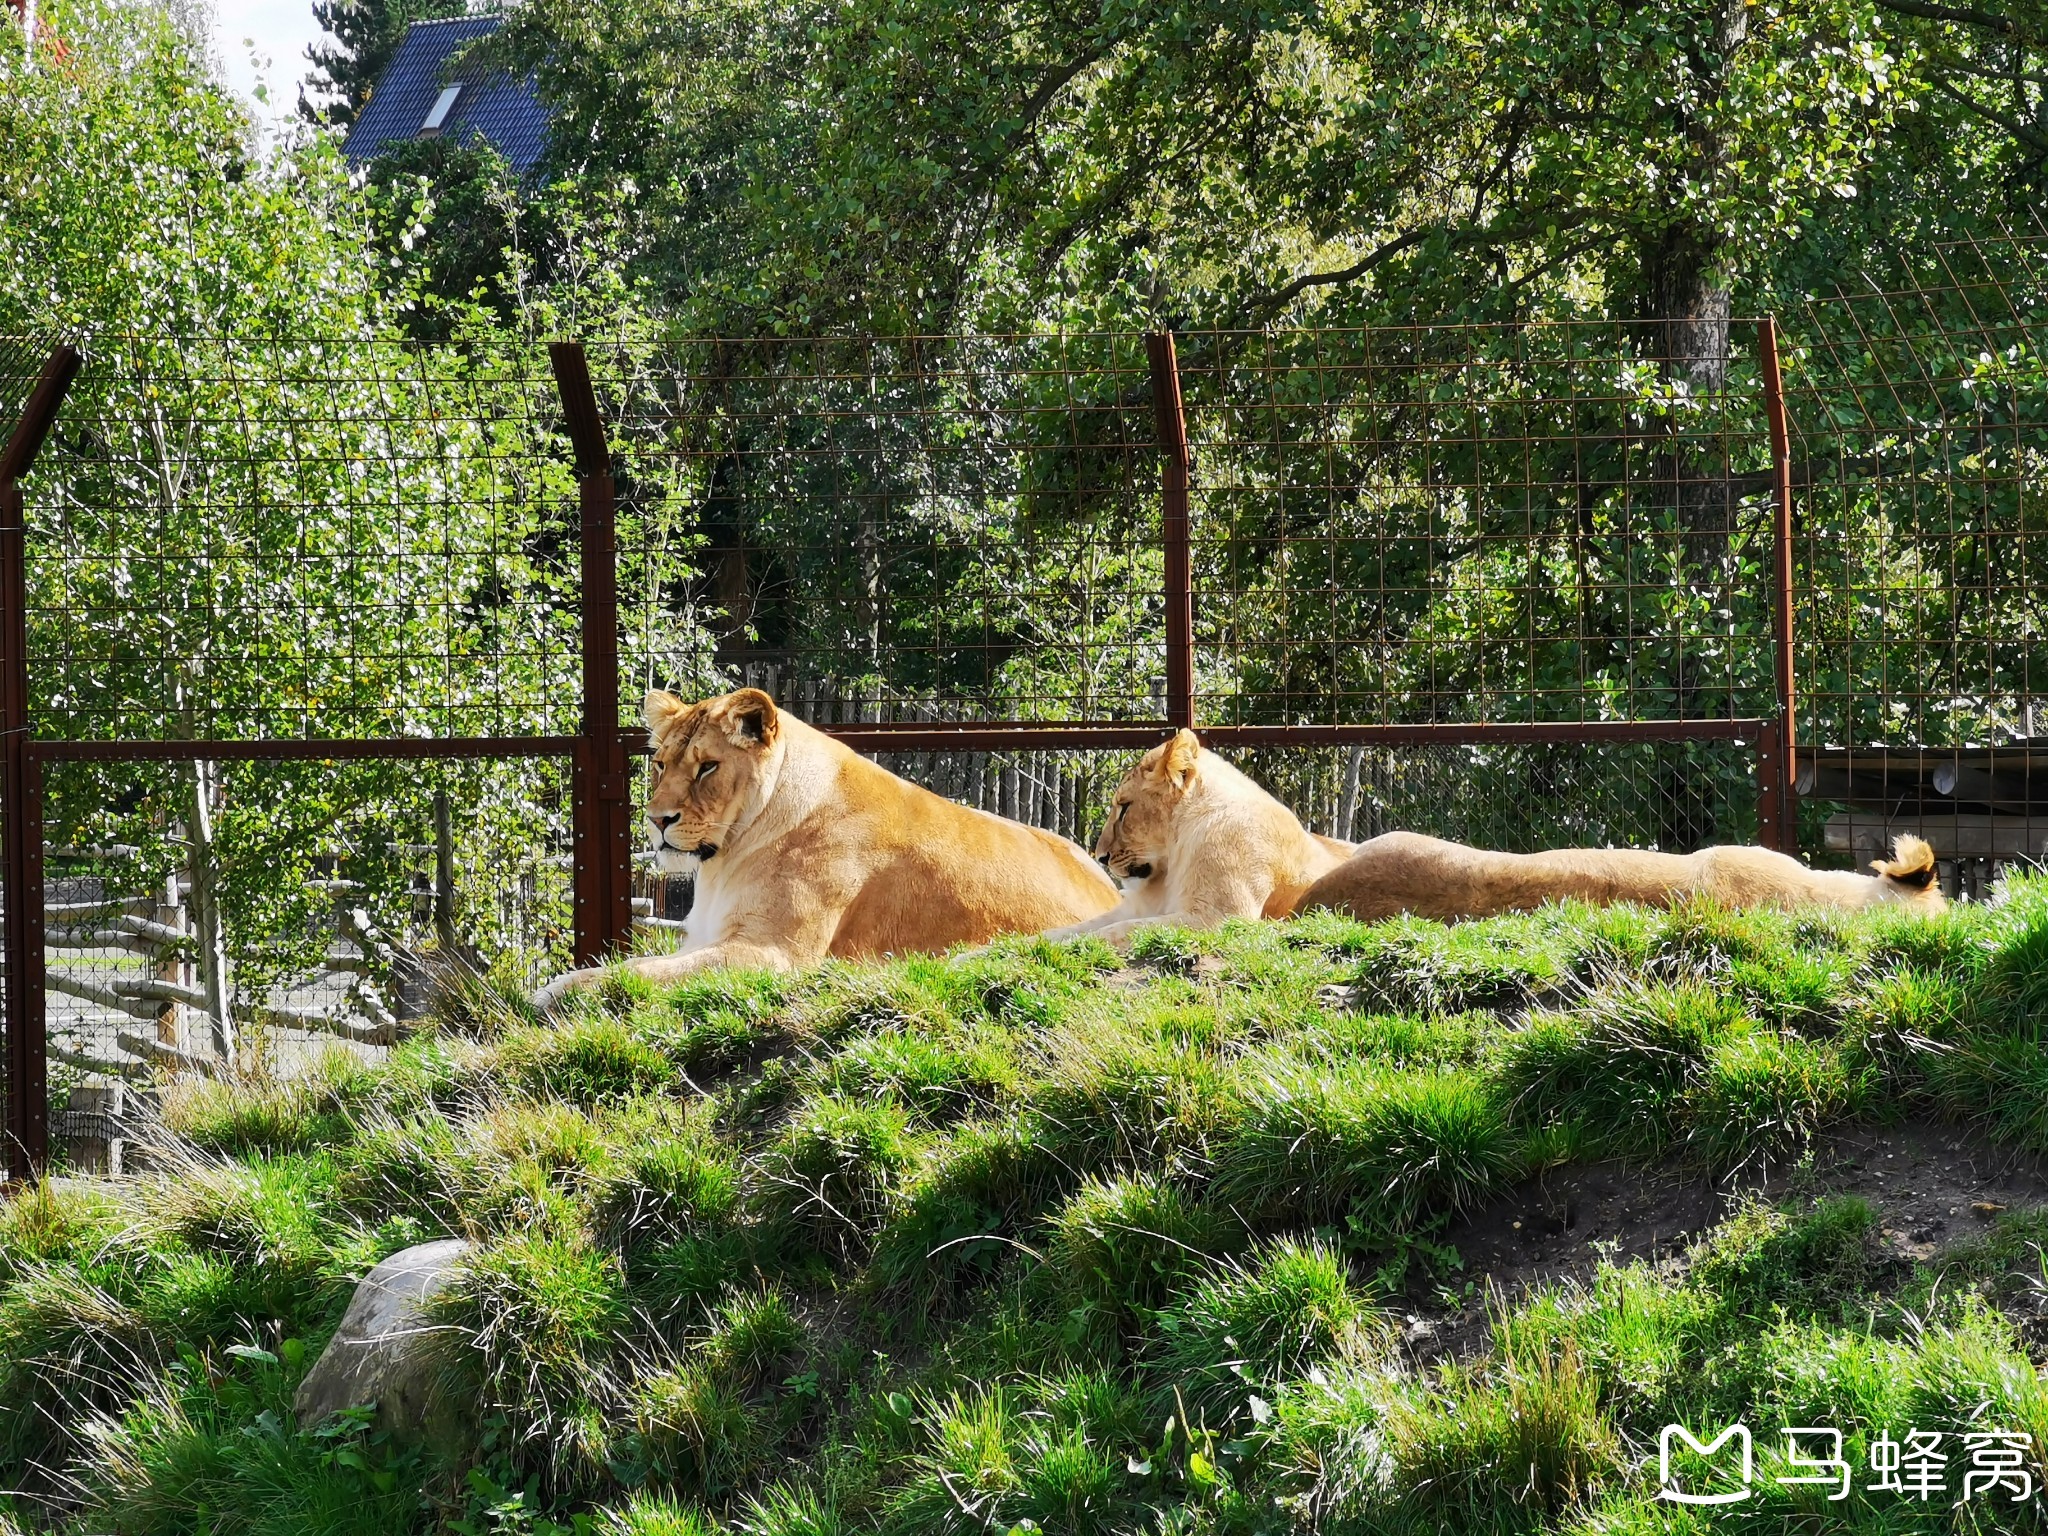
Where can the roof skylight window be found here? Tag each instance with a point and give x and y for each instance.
(438, 113)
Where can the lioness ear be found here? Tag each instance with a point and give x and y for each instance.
(660, 709)
(1181, 752)
(751, 719)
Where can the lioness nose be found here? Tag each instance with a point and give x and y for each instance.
(665, 821)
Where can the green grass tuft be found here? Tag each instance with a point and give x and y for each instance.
(587, 1059)
(935, 1081)
(1765, 1095)
(267, 1115)
(1119, 1248)
(832, 1175)
(213, 1449)
(539, 1317)
(655, 1515)
(1377, 1147)
(1251, 1325)
(1504, 1447)
(1409, 966)
(958, 1221)
(1620, 1065)
(1815, 1263)
(2015, 974)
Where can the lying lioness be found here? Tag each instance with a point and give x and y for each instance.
(803, 849)
(1196, 842)
(1407, 872)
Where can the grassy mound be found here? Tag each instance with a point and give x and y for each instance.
(1052, 1239)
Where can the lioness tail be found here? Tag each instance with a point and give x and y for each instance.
(1911, 863)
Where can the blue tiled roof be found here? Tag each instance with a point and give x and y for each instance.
(504, 112)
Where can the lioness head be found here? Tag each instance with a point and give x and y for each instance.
(1140, 827)
(714, 765)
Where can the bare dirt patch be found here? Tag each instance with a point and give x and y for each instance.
(1931, 1185)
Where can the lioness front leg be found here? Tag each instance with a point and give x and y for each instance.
(1209, 911)
(738, 954)
(1119, 933)
(1093, 924)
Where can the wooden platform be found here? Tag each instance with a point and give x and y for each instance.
(1978, 806)
(2007, 778)
(1954, 835)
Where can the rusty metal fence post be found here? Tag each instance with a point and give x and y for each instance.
(1777, 766)
(21, 790)
(600, 814)
(1179, 581)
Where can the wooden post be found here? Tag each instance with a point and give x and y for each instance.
(21, 791)
(1173, 529)
(1778, 767)
(601, 816)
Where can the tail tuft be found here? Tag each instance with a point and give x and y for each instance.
(1911, 863)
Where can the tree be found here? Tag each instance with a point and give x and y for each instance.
(266, 511)
(362, 35)
(449, 216)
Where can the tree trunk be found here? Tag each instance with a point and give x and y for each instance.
(170, 965)
(1686, 295)
(207, 927)
(444, 876)
(1347, 804)
(1686, 300)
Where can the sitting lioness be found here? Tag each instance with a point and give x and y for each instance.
(1196, 842)
(1407, 872)
(803, 849)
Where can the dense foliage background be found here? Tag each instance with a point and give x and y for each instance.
(888, 168)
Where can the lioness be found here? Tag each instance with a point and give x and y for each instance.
(1197, 842)
(1407, 872)
(804, 849)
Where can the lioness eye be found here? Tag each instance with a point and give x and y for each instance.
(705, 770)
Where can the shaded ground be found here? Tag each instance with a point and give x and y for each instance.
(1931, 1186)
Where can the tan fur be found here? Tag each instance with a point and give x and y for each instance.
(1407, 872)
(1196, 842)
(803, 850)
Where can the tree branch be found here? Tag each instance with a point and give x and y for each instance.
(1264, 309)
(2030, 137)
(1051, 86)
(1288, 293)
(1959, 14)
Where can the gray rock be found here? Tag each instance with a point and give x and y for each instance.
(388, 1352)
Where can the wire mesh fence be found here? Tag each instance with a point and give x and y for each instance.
(1522, 796)
(203, 916)
(302, 538)
(1919, 407)
(332, 649)
(1468, 524)
(881, 530)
